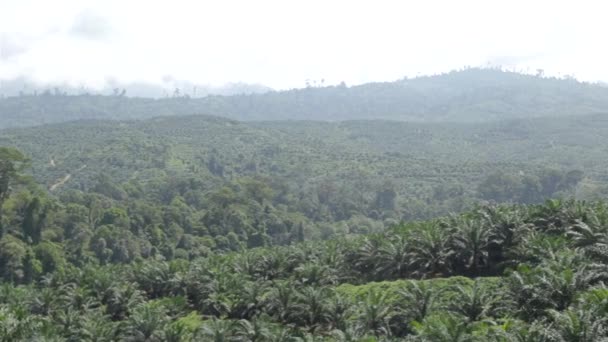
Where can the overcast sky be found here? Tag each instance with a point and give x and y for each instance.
(282, 43)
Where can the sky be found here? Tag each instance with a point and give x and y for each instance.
(283, 43)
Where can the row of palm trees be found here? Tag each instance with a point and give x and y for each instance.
(483, 310)
(550, 259)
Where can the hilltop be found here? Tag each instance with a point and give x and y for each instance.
(471, 95)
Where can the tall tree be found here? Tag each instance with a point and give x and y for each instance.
(12, 162)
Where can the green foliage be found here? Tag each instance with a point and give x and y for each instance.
(326, 290)
(471, 94)
(201, 228)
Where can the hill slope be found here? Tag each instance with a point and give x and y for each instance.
(466, 96)
(432, 167)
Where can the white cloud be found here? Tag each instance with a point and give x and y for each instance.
(91, 26)
(283, 43)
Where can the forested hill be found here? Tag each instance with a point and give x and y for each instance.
(461, 96)
(337, 170)
(201, 228)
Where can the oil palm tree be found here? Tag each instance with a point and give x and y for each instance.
(578, 325)
(393, 259)
(417, 299)
(471, 243)
(250, 300)
(79, 298)
(591, 236)
(520, 331)
(155, 278)
(365, 257)
(145, 324)
(431, 250)
(375, 314)
(349, 334)
(443, 328)
(96, 327)
(509, 227)
(216, 330)
(340, 312)
(176, 332)
(474, 302)
(314, 273)
(45, 301)
(281, 301)
(17, 325)
(312, 306)
(270, 265)
(123, 298)
(551, 285)
(256, 330)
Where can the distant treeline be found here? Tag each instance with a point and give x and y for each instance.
(469, 95)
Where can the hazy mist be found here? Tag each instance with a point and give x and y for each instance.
(282, 44)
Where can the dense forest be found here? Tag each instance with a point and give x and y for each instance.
(326, 177)
(495, 273)
(479, 217)
(468, 95)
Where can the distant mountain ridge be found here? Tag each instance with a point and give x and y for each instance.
(169, 87)
(471, 95)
